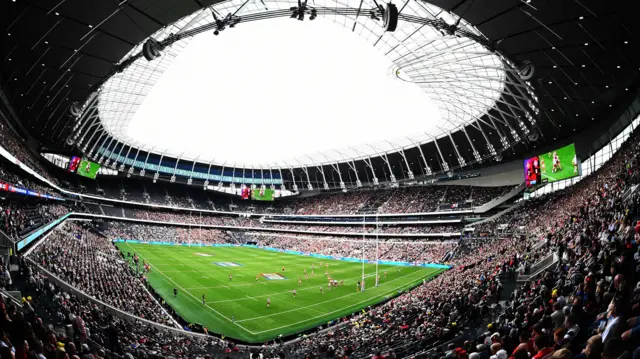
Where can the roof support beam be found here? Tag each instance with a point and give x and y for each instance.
(406, 162)
(173, 176)
(325, 185)
(461, 160)
(193, 167)
(443, 162)
(206, 180)
(427, 169)
(386, 160)
(133, 163)
(144, 167)
(157, 174)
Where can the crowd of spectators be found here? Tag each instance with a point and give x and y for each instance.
(482, 195)
(591, 296)
(91, 263)
(53, 323)
(400, 229)
(124, 230)
(390, 250)
(20, 217)
(595, 236)
(197, 218)
(18, 148)
(586, 306)
(7, 175)
(418, 199)
(398, 200)
(433, 310)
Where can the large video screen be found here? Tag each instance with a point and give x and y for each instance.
(552, 166)
(265, 194)
(88, 169)
(74, 162)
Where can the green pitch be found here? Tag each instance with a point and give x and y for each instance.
(566, 155)
(237, 308)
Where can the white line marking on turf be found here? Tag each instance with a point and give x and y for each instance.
(299, 289)
(196, 299)
(319, 316)
(261, 282)
(300, 308)
(319, 303)
(227, 286)
(251, 297)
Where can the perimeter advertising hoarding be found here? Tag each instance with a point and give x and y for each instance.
(553, 166)
(23, 243)
(88, 169)
(25, 191)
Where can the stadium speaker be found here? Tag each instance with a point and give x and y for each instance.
(533, 136)
(75, 110)
(151, 49)
(390, 18)
(526, 69)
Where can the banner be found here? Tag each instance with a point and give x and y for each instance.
(23, 243)
(23, 191)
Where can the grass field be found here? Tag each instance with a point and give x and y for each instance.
(237, 308)
(566, 155)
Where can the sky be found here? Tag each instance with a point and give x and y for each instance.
(269, 91)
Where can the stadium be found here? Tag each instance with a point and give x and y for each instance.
(319, 179)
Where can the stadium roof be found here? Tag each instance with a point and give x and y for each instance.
(59, 53)
(321, 91)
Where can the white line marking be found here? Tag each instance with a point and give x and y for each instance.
(251, 297)
(301, 289)
(192, 296)
(300, 308)
(326, 301)
(323, 314)
(230, 286)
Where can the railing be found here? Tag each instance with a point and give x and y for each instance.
(6, 241)
(489, 219)
(539, 267)
(369, 224)
(275, 230)
(500, 200)
(10, 298)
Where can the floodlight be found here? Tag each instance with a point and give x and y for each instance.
(151, 49)
(390, 18)
(526, 70)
